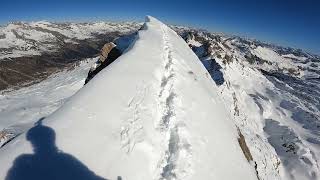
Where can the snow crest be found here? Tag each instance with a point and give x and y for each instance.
(154, 113)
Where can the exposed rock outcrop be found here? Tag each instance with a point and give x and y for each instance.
(109, 53)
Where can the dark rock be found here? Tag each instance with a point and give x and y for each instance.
(111, 56)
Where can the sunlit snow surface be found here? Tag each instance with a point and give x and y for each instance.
(274, 101)
(19, 109)
(273, 95)
(277, 110)
(155, 113)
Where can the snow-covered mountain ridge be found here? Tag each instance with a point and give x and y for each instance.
(20, 109)
(271, 94)
(164, 122)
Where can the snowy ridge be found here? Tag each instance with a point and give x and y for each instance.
(20, 109)
(177, 151)
(162, 119)
(273, 94)
(257, 106)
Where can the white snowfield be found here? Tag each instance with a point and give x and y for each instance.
(155, 113)
(20, 109)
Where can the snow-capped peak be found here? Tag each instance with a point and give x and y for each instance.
(154, 113)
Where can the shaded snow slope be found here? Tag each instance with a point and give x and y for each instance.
(155, 113)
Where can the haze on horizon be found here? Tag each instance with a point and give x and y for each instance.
(293, 23)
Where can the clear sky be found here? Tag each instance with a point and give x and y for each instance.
(294, 23)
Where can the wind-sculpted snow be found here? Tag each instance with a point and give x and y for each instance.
(154, 113)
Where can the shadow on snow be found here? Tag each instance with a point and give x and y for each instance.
(48, 162)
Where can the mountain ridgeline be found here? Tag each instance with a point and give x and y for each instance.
(198, 102)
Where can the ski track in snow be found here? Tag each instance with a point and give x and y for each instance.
(170, 166)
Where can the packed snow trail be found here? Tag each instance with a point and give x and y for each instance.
(170, 161)
(155, 113)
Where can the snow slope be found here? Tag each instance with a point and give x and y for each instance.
(273, 95)
(20, 109)
(155, 113)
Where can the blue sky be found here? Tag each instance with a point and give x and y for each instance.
(286, 22)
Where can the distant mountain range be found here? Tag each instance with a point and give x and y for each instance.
(29, 52)
(271, 93)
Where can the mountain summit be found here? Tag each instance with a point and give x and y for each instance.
(154, 113)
